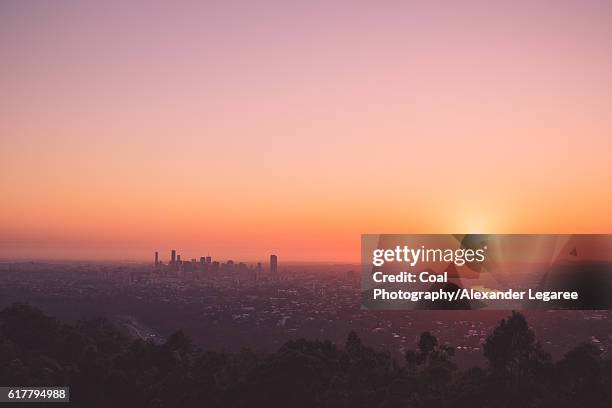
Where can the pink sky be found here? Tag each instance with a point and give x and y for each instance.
(241, 129)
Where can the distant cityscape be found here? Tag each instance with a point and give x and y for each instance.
(229, 305)
(207, 264)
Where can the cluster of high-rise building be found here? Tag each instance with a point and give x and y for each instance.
(207, 264)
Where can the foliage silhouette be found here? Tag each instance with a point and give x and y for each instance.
(104, 367)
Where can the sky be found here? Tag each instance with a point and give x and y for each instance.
(240, 129)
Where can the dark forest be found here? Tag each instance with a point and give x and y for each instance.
(104, 367)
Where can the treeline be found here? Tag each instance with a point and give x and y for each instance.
(106, 368)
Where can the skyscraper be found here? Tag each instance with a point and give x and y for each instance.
(173, 256)
(273, 264)
(156, 258)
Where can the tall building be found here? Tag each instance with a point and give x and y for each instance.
(173, 256)
(273, 264)
(208, 259)
(156, 258)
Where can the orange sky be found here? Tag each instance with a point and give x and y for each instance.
(238, 131)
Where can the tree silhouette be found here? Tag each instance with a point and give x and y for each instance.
(104, 367)
(512, 349)
(427, 344)
(584, 376)
(353, 343)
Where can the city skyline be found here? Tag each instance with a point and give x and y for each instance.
(295, 128)
(175, 258)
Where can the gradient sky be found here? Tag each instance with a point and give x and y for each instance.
(238, 129)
